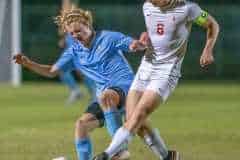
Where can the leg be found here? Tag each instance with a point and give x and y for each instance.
(153, 140)
(138, 123)
(68, 79)
(91, 87)
(147, 104)
(83, 144)
(132, 101)
(133, 98)
(110, 103)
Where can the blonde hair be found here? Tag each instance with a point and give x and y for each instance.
(73, 14)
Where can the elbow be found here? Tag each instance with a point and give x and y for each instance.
(218, 29)
(53, 72)
(215, 27)
(50, 75)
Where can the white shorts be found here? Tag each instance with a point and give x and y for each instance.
(161, 82)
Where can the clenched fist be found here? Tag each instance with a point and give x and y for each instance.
(21, 59)
(206, 58)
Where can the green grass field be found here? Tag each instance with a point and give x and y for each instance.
(201, 120)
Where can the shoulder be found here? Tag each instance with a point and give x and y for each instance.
(191, 5)
(74, 48)
(147, 5)
(111, 35)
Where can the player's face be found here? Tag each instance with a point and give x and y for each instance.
(160, 3)
(80, 31)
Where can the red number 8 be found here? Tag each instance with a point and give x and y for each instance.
(160, 29)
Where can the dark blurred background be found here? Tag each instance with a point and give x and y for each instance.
(40, 33)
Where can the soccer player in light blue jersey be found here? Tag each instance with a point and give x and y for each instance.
(98, 55)
(67, 78)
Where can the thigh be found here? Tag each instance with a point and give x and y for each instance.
(132, 101)
(141, 80)
(149, 101)
(163, 86)
(146, 105)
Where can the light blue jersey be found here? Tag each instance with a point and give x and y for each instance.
(69, 40)
(68, 78)
(102, 62)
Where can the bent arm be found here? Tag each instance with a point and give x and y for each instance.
(44, 70)
(212, 27)
(212, 32)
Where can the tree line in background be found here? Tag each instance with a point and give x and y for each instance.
(125, 1)
(40, 37)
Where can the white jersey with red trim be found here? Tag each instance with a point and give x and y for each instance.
(169, 31)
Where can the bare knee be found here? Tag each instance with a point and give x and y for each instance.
(109, 98)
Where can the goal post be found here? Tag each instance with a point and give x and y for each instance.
(10, 40)
(16, 41)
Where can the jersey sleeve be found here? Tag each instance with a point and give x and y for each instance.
(65, 62)
(121, 41)
(194, 11)
(69, 40)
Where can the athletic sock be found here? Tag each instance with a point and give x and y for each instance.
(113, 120)
(156, 144)
(122, 136)
(84, 149)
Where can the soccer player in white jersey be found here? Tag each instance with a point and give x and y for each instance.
(168, 24)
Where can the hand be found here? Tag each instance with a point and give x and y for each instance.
(206, 58)
(136, 45)
(141, 44)
(144, 39)
(21, 59)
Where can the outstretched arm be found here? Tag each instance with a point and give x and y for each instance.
(212, 28)
(44, 70)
